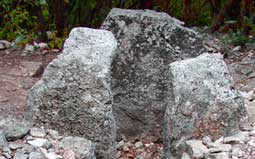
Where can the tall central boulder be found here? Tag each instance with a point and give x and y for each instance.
(147, 42)
(74, 95)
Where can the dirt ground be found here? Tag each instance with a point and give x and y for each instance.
(16, 79)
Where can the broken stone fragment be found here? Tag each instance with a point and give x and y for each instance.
(14, 128)
(221, 148)
(40, 142)
(185, 156)
(3, 141)
(221, 155)
(240, 137)
(206, 141)
(4, 44)
(37, 132)
(31, 68)
(196, 149)
(82, 148)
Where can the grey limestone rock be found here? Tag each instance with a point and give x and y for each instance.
(74, 95)
(14, 128)
(4, 44)
(196, 149)
(20, 155)
(84, 149)
(147, 42)
(205, 102)
(3, 141)
(36, 155)
(37, 132)
(220, 155)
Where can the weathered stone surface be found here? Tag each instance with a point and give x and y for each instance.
(74, 95)
(4, 44)
(69, 154)
(31, 68)
(37, 132)
(205, 102)
(83, 148)
(20, 155)
(185, 156)
(43, 46)
(147, 42)
(53, 133)
(36, 155)
(39, 142)
(196, 149)
(221, 148)
(16, 145)
(206, 140)
(237, 138)
(50, 155)
(3, 141)
(221, 155)
(14, 128)
(29, 48)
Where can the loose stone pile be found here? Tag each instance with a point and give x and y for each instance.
(138, 150)
(238, 146)
(42, 143)
(19, 141)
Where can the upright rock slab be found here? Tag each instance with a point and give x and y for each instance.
(205, 102)
(74, 95)
(147, 42)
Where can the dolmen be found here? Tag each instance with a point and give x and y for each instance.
(144, 76)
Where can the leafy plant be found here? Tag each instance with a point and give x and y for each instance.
(238, 38)
(56, 42)
(17, 22)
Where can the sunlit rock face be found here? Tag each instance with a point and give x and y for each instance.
(147, 42)
(203, 102)
(74, 95)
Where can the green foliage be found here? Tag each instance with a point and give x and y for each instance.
(6, 5)
(199, 11)
(237, 38)
(80, 10)
(17, 22)
(56, 42)
(26, 20)
(248, 22)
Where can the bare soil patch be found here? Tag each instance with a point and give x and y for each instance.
(15, 79)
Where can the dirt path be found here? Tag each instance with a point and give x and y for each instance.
(16, 79)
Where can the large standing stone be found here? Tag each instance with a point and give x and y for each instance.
(74, 95)
(147, 42)
(205, 102)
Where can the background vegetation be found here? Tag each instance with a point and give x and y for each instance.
(30, 20)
